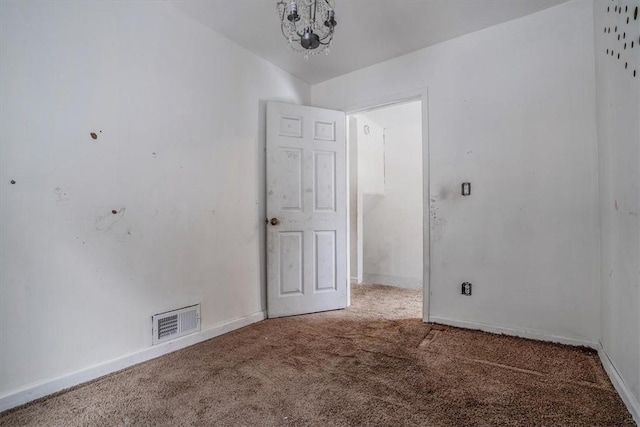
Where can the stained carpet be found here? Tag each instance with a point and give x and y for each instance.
(375, 363)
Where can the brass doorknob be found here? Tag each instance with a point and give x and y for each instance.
(274, 221)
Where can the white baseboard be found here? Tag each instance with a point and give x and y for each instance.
(621, 387)
(523, 333)
(397, 281)
(54, 385)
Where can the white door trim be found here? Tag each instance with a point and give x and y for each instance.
(421, 94)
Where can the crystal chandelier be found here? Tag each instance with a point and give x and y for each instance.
(308, 25)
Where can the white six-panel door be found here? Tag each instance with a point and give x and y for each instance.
(306, 210)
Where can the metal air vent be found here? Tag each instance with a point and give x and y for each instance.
(176, 323)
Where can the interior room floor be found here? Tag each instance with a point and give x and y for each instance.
(375, 363)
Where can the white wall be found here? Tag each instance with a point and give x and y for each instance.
(392, 222)
(366, 177)
(355, 261)
(371, 166)
(512, 110)
(179, 115)
(618, 119)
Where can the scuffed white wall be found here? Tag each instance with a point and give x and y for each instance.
(178, 113)
(618, 119)
(512, 110)
(392, 222)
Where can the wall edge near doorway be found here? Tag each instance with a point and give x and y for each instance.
(518, 332)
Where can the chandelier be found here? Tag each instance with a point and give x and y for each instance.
(308, 25)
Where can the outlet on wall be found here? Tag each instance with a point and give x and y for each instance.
(466, 288)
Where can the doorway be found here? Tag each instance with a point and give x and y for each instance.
(386, 197)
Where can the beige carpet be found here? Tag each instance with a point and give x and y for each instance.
(373, 364)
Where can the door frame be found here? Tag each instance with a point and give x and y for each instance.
(422, 95)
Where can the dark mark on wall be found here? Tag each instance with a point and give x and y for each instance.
(105, 222)
(620, 30)
(12, 181)
(94, 135)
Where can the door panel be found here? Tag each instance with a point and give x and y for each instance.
(306, 210)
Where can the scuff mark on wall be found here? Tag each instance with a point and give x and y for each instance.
(63, 197)
(105, 222)
(447, 193)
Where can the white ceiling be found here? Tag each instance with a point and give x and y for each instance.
(368, 31)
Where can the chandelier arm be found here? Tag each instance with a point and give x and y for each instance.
(330, 34)
(284, 11)
(283, 33)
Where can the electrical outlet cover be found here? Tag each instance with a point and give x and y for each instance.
(466, 288)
